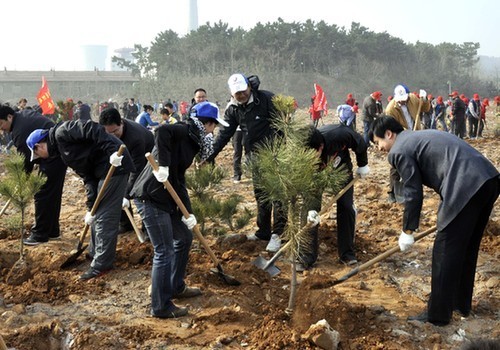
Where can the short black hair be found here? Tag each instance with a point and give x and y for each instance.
(382, 124)
(5, 111)
(164, 111)
(205, 120)
(110, 116)
(199, 89)
(169, 105)
(314, 137)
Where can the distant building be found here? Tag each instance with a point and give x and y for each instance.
(95, 57)
(88, 86)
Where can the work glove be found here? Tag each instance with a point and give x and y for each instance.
(125, 203)
(405, 241)
(363, 171)
(161, 174)
(190, 222)
(89, 218)
(313, 217)
(115, 160)
(422, 93)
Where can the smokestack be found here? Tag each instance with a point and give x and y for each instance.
(193, 15)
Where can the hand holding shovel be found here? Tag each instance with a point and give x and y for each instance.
(75, 253)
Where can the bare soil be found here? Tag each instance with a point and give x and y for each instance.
(52, 309)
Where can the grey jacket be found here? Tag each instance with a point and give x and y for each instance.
(443, 162)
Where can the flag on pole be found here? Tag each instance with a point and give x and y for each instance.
(320, 102)
(44, 99)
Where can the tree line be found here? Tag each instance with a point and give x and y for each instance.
(289, 57)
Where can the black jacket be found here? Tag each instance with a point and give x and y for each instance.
(139, 141)
(176, 146)
(255, 119)
(86, 148)
(338, 140)
(23, 124)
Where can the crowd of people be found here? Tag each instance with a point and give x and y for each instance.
(467, 183)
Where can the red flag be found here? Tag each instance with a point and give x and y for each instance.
(320, 102)
(44, 99)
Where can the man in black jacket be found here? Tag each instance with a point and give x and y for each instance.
(138, 140)
(253, 110)
(333, 143)
(48, 199)
(90, 151)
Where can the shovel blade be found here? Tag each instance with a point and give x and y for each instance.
(263, 264)
(73, 256)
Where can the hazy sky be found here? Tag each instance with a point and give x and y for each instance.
(45, 34)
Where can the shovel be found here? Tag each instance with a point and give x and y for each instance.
(80, 248)
(5, 207)
(138, 232)
(378, 258)
(218, 269)
(268, 265)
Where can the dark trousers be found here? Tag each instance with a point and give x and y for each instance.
(454, 255)
(48, 200)
(239, 143)
(473, 124)
(266, 210)
(346, 224)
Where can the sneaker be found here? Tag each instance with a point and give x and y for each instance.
(31, 241)
(188, 292)
(274, 243)
(236, 179)
(55, 238)
(349, 262)
(252, 237)
(92, 273)
(176, 312)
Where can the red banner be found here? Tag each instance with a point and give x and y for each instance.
(44, 99)
(320, 102)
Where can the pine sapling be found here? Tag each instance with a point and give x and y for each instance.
(20, 187)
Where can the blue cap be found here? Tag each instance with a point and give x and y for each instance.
(208, 110)
(35, 137)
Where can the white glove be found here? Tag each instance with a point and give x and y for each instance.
(422, 93)
(125, 203)
(161, 174)
(190, 222)
(313, 217)
(115, 160)
(362, 171)
(405, 241)
(89, 218)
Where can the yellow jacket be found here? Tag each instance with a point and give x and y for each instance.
(394, 110)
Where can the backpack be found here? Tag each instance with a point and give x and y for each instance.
(254, 82)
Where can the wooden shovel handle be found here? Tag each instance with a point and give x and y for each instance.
(5, 206)
(184, 211)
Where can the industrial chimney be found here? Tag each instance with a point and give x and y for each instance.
(193, 15)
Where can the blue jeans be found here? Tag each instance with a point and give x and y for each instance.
(171, 241)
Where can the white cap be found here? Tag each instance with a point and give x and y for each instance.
(400, 93)
(237, 82)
